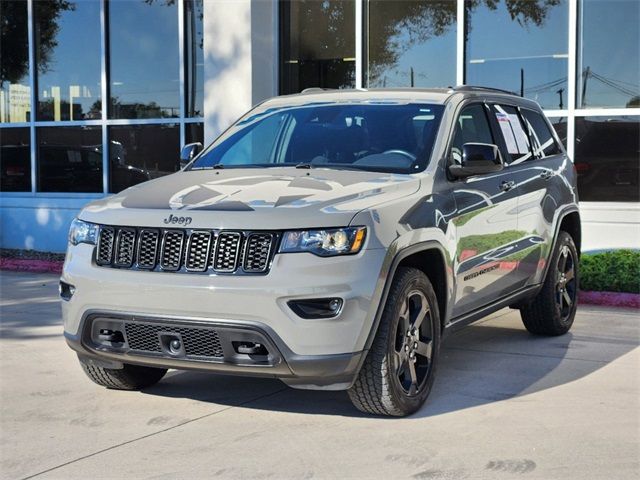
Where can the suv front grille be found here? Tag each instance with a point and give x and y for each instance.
(186, 251)
(198, 342)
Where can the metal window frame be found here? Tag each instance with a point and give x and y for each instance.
(104, 122)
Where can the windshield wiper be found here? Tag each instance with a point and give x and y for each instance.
(304, 165)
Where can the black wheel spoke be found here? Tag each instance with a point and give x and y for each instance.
(570, 275)
(567, 298)
(424, 349)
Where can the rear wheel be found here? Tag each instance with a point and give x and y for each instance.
(553, 310)
(130, 377)
(398, 373)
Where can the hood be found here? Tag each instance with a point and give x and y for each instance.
(268, 198)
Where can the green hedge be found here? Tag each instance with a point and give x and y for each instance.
(615, 271)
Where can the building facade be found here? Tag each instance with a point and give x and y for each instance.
(99, 95)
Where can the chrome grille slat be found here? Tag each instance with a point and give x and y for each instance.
(186, 250)
(104, 249)
(197, 257)
(257, 252)
(171, 250)
(148, 248)
(227, 252)
(125, 247)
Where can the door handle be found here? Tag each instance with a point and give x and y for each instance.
(506, 186)
(547, 174)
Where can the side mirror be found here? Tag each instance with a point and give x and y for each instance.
(188, 152)
(477, 159)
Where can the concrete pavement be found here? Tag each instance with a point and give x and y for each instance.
(505, 405)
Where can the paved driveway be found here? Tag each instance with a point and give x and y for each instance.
(505, 405)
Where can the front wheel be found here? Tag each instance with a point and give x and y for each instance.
(130, 377)
(398, 373)
(552, 311)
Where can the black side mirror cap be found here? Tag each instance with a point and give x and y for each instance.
(189, 152)
(477, 159)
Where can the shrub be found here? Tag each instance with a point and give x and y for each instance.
(615, 271)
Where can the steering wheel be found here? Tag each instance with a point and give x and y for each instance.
(404, 153)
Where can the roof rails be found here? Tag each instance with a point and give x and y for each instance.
(475, 88)
(316, 90)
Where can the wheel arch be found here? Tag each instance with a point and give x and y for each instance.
(570, 223)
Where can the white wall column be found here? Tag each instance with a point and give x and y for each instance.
(240, 59)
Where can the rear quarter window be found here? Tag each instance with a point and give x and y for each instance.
(544, 143)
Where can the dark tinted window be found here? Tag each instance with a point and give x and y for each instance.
(395, 138)
(144, 60)
(559, 124)
(317, 44)
(519, 45)
(15, 100)
(609, 54)
(544, 144)
(69, 159)
(411, 43)
(68, 60)
(607, 159)
(15, 160)
(513, 132)
(472, 126)
(138, 153)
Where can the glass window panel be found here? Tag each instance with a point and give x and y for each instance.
(518, 46)
(15, 160)
(472, 126)
(513, 132)
(144, 59)
(194, 132)
(559, 124)
(15, 94)
(543, 140)
(606, 158)
(139, 153)
(317, 44)
(69, 159)
(68, 60)
(609, 54)
(411, 43)
(194, 58)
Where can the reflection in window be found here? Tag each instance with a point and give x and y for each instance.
(411, 43)
(559, 124)
(69, 159)
(144, 60)
(608, 54)
(317, 44)
(15, 94)
(544, 143)
(606, 158)
(520, 47)
(15, 160)
(67, 45)
(194, 58)
(194, 132)
(138, 153)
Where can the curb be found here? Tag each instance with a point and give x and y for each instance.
(610, 299)
(33, 266)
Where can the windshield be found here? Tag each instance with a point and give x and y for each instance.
(395, 138)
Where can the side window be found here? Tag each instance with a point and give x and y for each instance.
(544, 144)
(472, 126)
(514, 133)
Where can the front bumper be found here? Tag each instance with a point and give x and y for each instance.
(307, 353)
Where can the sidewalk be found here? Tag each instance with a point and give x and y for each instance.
(504, 405)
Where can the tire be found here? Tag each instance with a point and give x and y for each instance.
(130, 377)
(553, 309)
(391, 380)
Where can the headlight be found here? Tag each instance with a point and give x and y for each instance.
(82, 232)
(325, 243)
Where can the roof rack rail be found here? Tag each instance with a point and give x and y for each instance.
(316, 89)
(476, 88)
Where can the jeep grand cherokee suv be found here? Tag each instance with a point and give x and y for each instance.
(330, 239)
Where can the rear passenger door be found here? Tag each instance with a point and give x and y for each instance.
(485, 222)
(536, 160)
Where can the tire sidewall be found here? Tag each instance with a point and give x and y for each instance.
(415, 281)
(564, 239)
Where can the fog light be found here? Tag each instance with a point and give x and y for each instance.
(316, 307)
(66, 290)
